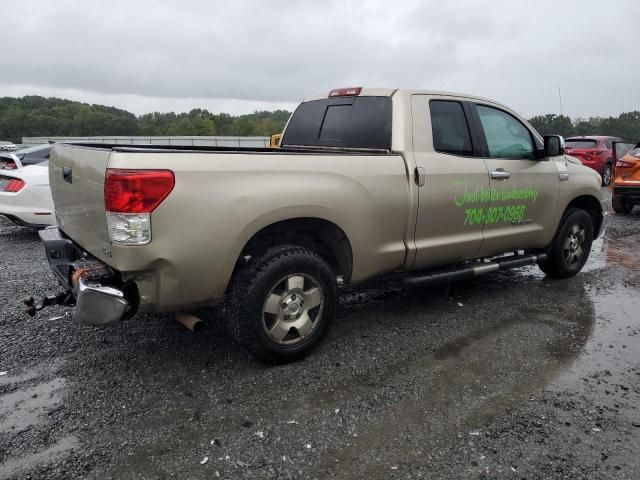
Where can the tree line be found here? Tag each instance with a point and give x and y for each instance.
(35, 116)
(626, 125)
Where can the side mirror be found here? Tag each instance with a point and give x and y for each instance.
(553, 145)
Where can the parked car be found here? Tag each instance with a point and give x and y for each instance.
(625, 185)
(594, 152)
(25, 195)
(8, 147)
(365, 181)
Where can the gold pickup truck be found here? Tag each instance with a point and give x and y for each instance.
(365, 181)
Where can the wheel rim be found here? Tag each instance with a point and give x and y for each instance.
(573, 248)
(606, 175)
(293, 309)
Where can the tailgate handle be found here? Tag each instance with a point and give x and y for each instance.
(67, 174)
(500, 173)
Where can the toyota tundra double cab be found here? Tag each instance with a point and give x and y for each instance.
(442, 185)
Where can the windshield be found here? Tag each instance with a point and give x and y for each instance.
(582, 143)
(348, 122)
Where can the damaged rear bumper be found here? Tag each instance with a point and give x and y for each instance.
(94, 285)
(98, 304)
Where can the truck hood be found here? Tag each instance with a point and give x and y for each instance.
(571, 159)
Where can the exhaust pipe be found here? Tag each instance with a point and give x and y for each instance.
(190, 322)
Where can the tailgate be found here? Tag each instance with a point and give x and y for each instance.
(76, 174)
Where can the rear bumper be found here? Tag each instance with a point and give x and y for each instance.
(629, 193)
(98, 304)
(96, 288)
(22, 222)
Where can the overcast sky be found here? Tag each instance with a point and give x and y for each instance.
(239, 56)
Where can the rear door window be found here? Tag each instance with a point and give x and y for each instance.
(348, 122)
(450, 128)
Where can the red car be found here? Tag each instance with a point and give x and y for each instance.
(594, 152)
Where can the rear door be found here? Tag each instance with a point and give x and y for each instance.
(524, 189)
(453, 194)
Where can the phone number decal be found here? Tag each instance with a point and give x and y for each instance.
(511, 213)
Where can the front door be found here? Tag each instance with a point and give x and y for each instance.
(524, 189)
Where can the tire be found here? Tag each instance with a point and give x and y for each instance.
(281, 304)
(571, 245)
(619, 206)
(606, 174)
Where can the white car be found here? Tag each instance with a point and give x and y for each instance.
(8, 147)
(25, 195)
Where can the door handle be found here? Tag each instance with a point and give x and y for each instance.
(420, 176)
(500, 173)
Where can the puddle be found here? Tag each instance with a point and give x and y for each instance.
(614, 346)
(26, 407)
(54, 452)
(33, 395)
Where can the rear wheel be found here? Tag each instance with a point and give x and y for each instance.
(606, 175)
(281, 304)
(620, 206)
(570, 247)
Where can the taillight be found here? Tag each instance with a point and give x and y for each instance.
(345, 92)
(11, 185)
(623, 164)
(129, 198)
(136, 191)
(7, 165)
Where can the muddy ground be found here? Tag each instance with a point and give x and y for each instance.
(510, 376)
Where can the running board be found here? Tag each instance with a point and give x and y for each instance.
(471, 271)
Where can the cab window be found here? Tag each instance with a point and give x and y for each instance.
(506, 136)
(450, 128)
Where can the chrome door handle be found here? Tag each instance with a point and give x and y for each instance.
(500, 173)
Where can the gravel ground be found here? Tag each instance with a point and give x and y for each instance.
(509, 376)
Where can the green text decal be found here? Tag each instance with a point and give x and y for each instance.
(495, 213)
(485, 194)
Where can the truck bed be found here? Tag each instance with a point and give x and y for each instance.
(222, 197)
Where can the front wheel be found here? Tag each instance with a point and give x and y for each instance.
(570, 247)
(281, 304)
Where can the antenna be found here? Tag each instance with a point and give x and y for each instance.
(561, 114)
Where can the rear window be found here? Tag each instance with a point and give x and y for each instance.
(348, 122)
(449, 127)
(580, 143)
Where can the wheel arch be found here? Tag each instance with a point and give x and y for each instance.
(592, 206)
(317, 234)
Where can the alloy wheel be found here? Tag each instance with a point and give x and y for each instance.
(292, 309)
(573, 244)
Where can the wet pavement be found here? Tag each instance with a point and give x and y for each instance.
(513, 375)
